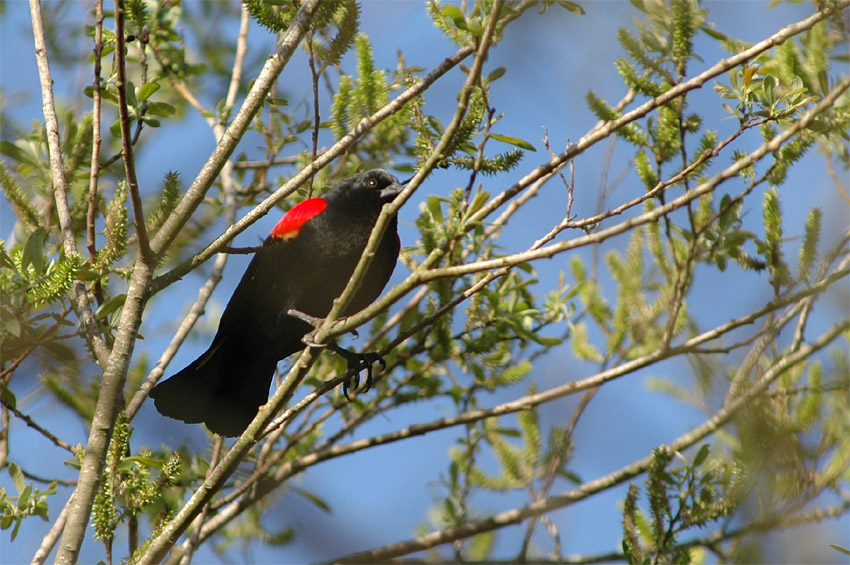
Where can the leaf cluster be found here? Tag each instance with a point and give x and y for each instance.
(127, 488)
(30, 501)
(681, 497)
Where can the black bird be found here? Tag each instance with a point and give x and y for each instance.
(303, 265)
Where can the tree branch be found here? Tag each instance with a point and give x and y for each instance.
(551, 503)
(60, 186)
(127, 136)
(110, 394)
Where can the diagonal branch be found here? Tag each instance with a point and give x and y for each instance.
(472, 78)
(619, 476)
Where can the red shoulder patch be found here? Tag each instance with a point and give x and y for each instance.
(291, 223)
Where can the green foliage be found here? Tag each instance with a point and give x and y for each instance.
(531, 466)
(681, 497)
(490, 166)
(24, 210)
(171, 192)
(30, 501)
(275, 17)
(345, 16)
(360, 98)
(115, 229)
(451, 20)
(809, 249)
(759, 94)
(771, 247)
(630, 132)
(127, 488)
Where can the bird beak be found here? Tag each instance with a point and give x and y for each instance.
(389, 193)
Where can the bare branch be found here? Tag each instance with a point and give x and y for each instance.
(60, 186)
(127, 137)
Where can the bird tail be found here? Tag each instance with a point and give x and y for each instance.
(214, 391)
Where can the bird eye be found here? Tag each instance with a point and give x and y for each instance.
(371, 183)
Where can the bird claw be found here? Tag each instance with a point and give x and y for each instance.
(358, 362)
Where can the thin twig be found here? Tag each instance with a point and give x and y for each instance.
(91, 214)
(34, 425)
(126, 136)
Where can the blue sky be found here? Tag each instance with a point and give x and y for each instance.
(382, 495)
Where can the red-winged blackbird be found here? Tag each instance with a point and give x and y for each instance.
(304, 264)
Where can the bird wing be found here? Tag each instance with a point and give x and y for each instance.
(263, 289)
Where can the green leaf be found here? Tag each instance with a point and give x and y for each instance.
(573, 7)
(455, 14)
(711, 32)
(701, 455)
(15, 531)
(478, 201)
(146, 461)
(8, 396)
(148, 90)
(521, 143)
(131, 95)
(17, 153)
(5, 260)
(34, 251)
(73, 463)
(24, 498)
(9, 323)
(17, 477)
(508, 432)
(321, 504)
(434, 206)
(161, 109)
(496, 74)
(111, 305)
(115, 129)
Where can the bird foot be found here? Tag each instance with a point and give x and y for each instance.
(358, 362)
